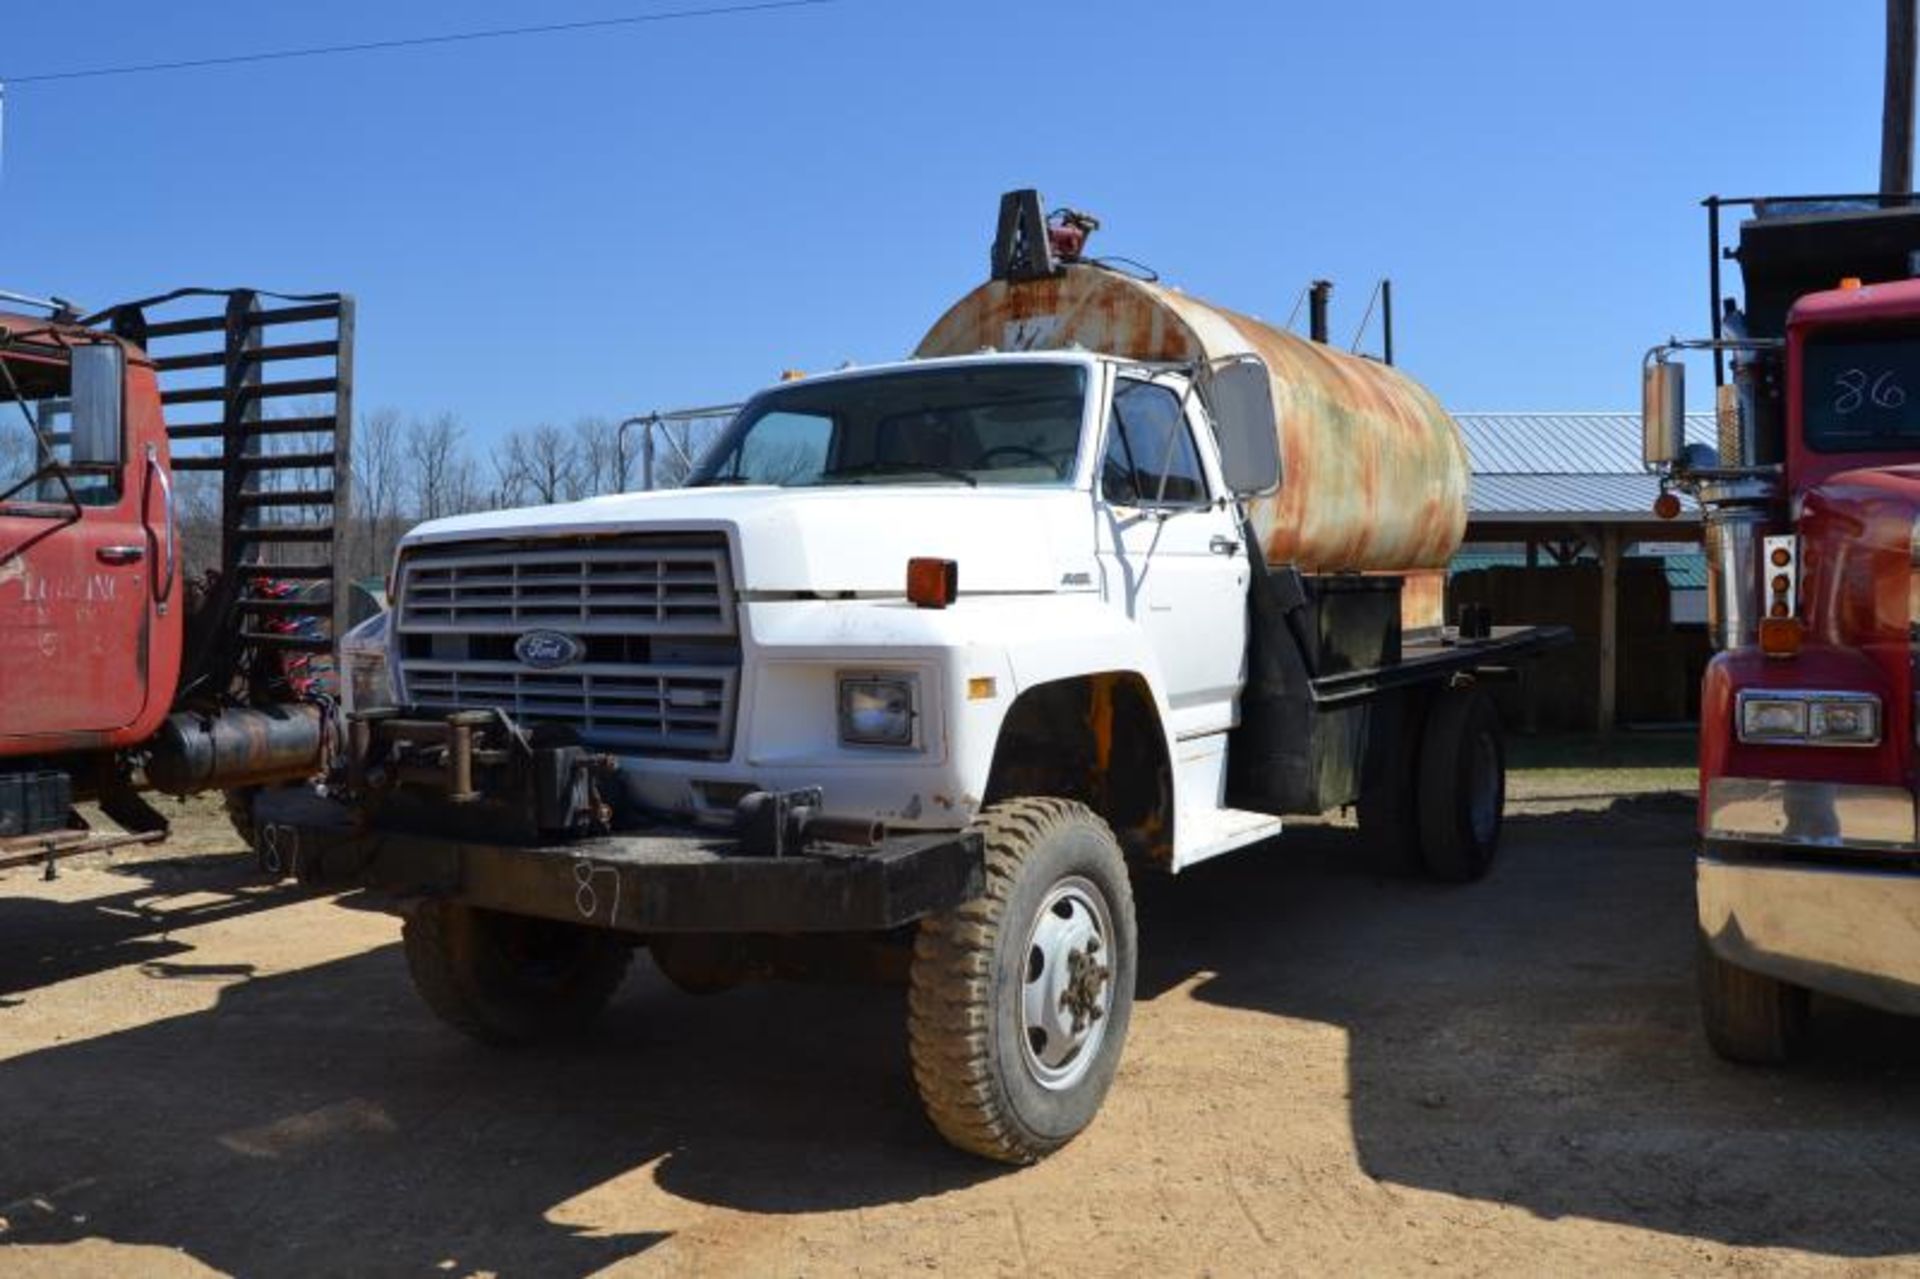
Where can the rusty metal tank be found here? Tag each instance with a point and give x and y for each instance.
(1376, 471)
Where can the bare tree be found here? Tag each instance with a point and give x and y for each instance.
(443, 479)
(465, 489)
(377, 487)
(509, 479)
(546, 462)
(602, 468)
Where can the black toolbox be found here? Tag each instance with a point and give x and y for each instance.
(34, 801)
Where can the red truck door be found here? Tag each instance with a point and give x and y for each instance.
(76, 553)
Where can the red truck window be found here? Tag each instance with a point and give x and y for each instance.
(31, 470)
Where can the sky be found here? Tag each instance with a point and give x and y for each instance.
(648, 217)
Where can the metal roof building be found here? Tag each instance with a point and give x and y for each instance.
(1567, 483)
(1556, 468)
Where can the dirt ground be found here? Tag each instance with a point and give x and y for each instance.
(1331, 1070)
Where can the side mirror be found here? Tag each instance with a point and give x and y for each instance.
(99, 404)
(1239, 395)
(1663, 413)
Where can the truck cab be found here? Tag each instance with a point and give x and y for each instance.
(1806, 879)
(88, 640)
(858, 583)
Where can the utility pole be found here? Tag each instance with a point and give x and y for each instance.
(1896, 117)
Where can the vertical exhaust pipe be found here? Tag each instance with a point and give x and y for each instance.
(1317, 294)
(1386, 321)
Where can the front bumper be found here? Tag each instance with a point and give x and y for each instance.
(661, 881)
(1814, 815)
(1845, 931)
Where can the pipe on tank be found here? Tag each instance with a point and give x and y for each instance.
(237, 746)
(1386, 321)
(1317, 294)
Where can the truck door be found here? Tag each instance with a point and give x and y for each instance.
(1171, 552)
(74, 552)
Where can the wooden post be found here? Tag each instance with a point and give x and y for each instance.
(1609, 626)
(1896, 114)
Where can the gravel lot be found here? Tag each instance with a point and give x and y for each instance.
(1331, 1070)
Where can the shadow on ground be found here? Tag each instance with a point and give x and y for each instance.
(319, 1122)
(1532, 1040)
(45, 940)
(1529, 1041)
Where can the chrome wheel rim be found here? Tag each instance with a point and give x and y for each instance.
(1066, 988)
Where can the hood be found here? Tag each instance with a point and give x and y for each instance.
(832, 540)
(1858, 532)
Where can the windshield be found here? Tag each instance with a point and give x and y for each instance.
(982, 424)
(1862, 392)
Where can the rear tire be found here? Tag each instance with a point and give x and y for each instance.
(1019, 1000)
(239, 806)
(1462, 787)
(506, 979)
(1750, 1017)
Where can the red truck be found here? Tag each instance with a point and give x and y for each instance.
(1808, 876)
(123, 667)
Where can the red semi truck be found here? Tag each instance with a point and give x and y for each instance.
(120, 670)
(1808, 877)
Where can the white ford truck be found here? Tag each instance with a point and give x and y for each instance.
(935, 655)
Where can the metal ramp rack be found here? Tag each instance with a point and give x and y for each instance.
(257, 389)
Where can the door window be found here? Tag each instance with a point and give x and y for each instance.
(1150, 458)
(27, 474)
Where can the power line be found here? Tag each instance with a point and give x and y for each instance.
(410, 42)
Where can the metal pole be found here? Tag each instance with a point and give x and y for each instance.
(646, 451)
(620, 447)
(1386, 320)
(1608, 708)
(1896, 113)
(1713, 286)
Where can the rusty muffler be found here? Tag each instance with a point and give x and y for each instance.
(237, 746)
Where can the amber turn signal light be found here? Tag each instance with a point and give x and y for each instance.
(1666, 506)
(1781, 636)
(933, 583)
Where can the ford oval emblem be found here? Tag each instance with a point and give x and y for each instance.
(548, 650)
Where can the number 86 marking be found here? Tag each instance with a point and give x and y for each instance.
(1858, 390)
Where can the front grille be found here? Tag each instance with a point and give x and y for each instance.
(671, 708)
(654, 617)
(619, 586)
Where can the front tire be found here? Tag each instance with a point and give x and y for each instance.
(1019, 1000)
(700, 963)
(1749, 1017)
(508, 979)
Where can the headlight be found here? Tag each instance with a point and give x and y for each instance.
(1786, 717)
(1770, 719)
(368, 684)
(877, 710)
(1855, 721)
